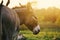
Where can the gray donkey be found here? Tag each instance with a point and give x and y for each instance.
(9, 23)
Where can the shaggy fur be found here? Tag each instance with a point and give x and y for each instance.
(10, 23)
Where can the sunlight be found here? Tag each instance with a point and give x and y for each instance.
(40, 3)
(14, 3)
(48, 3)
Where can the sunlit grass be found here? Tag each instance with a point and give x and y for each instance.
(41, 36)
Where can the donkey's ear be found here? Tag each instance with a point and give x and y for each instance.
(20, 4)
(8, 3)
(1, 3)
(28, 6)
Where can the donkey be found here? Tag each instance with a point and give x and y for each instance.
(0, 21)
(10, 23)
(27, 17)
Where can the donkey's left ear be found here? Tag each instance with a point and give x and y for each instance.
(1, 3)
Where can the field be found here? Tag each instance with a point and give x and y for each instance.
(49, 20)
(51, 34)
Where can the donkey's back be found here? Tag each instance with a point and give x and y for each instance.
(10, 23)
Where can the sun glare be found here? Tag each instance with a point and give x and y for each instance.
(38, 5)
(48, 3)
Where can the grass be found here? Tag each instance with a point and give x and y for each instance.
(43, 35)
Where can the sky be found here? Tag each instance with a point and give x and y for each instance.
(39, 3)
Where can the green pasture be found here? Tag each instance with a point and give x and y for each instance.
(43, 35)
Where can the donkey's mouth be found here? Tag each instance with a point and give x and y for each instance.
(36, 32)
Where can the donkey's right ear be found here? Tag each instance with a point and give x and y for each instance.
(20, 4)
(8, 3)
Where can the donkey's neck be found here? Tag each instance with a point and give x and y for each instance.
(22, 19)
(21, 22)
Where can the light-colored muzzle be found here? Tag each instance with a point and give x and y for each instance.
(36, 30)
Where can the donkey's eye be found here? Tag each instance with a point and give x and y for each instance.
(35, 18)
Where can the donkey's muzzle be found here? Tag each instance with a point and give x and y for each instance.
(36, 30)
